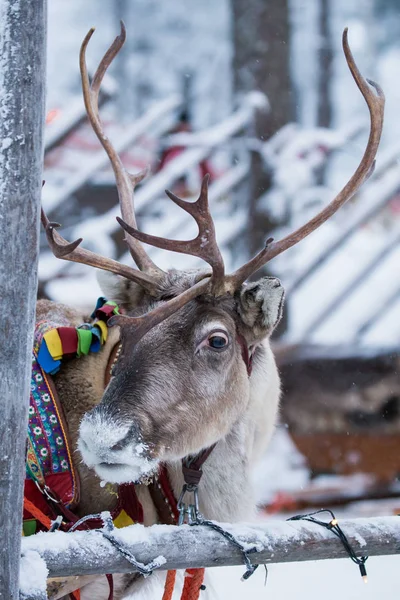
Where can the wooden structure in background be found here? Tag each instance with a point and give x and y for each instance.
(342, 406)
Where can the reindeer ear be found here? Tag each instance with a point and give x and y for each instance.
(124, 292)
(260, 306)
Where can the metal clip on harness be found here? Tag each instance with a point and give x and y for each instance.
(189, 511)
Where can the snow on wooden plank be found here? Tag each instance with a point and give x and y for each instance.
(83, 553)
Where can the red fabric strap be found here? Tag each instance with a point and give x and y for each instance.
(106, 309)
(167, 490)
(69, 339)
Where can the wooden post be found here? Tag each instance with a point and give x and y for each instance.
(22, 94)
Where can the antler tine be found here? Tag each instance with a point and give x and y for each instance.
(376, 104)
(139, 326)
(124, 180)
(203, 246)
(61, 248)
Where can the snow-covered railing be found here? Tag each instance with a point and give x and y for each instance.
(170, 547)
(68, 118)
(53, 196)
(380, 310)
(376, 195)
(99, 229)
(297, 159)
(151, 190)
(336, 300)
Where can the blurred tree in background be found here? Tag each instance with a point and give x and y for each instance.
(261, 62)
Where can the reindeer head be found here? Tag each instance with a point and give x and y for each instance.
(187, 339)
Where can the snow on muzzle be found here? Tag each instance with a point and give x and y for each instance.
(114, 451)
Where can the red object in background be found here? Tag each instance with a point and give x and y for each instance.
(168, 154)
(394, 205)
(281, 502)
(52, 115)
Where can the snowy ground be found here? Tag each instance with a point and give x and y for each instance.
(329, 580)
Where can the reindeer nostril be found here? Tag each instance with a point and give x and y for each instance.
(119, 445)
(131, 435)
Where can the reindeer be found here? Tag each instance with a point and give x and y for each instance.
(192, 365)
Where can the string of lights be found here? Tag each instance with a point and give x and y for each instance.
(333, 525)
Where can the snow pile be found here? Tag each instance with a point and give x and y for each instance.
(33, 575)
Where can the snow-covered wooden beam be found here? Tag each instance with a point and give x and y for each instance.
(84, 553)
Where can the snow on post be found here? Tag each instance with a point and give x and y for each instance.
(33, 576)
(22, 94)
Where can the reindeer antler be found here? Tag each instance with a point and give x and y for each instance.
(61, 248)
(204, 245)
(149, 274)
(125, 181)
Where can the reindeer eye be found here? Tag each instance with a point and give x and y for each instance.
(218, 340)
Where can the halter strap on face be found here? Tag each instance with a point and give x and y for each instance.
(246, 354)
(191, 466)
